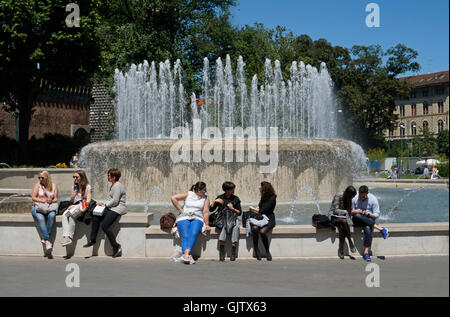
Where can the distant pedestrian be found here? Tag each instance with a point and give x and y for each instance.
(426, 172)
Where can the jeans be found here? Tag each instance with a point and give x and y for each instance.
(107, 219)
(44, 228)
(189, 230)
(234, 233)
(367, 223)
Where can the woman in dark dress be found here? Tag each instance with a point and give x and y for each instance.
(266, 207)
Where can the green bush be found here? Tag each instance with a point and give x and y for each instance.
(443, 169)
(9, 150)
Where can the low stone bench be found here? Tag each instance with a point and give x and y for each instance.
(307, 241)
(19, 236)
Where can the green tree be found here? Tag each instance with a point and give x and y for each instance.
(426, 143)
(443, 142)
(157, 30)
(377, 154)
(369, 90)
(36, 44)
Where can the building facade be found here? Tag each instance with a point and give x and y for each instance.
(56, 110)
(427, 107)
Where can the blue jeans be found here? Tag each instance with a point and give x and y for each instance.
(189, 230)
(367, 224)
(45, 228)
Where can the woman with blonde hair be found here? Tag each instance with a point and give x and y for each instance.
(81, 191)
(45, 197)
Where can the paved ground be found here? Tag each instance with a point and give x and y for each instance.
(399, 276)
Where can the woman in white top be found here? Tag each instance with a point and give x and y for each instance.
(81, 190)
(193, 215)
(45, 194)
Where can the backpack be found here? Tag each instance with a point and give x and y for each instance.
(167, 221)
(321, 221)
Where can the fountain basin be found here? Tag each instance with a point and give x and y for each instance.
(326, 166)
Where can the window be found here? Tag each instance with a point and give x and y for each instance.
(425, 108)
(413, 109)
(440, 107)
(425, 93)
(402, 129)
(413, 94)
(413, 129)
(425, 125)
(402, 110)
(440, 125)
(391, 132)
(440, 91)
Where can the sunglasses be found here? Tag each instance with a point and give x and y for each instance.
(40, 177)
(74, 177)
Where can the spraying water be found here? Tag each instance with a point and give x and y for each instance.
(149, 104)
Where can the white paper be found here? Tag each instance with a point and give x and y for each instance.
(98, 210)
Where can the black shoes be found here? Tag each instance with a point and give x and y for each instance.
(233, 253)
(117, 252)
(341, 253)
(258, 256)
(269, 256)
(89, 244)
(352, 248)
(221, 252)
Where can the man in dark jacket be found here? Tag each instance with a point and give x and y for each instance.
(229, 210)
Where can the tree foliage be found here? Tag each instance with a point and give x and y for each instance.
(36, 44)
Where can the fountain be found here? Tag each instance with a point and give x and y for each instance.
(280, 131)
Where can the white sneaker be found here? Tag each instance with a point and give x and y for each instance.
(48, 245)
(191, 260)
(186, 259)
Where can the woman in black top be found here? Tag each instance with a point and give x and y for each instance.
(341, 208)
(229, 208)
(266, 207)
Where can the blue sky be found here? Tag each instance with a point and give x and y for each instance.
(421, 25)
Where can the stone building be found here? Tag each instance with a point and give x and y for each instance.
(56, 110)
(428, 106)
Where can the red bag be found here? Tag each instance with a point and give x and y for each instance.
(167, 221)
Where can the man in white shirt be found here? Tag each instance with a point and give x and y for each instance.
(365, 209)
(426, 173)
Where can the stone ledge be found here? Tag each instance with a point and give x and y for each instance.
(132, 218)
(309, 229)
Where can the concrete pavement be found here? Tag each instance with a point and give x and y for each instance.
(102, 276)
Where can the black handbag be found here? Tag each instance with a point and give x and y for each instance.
(62, 207)
(321, 221)
(217, 219)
